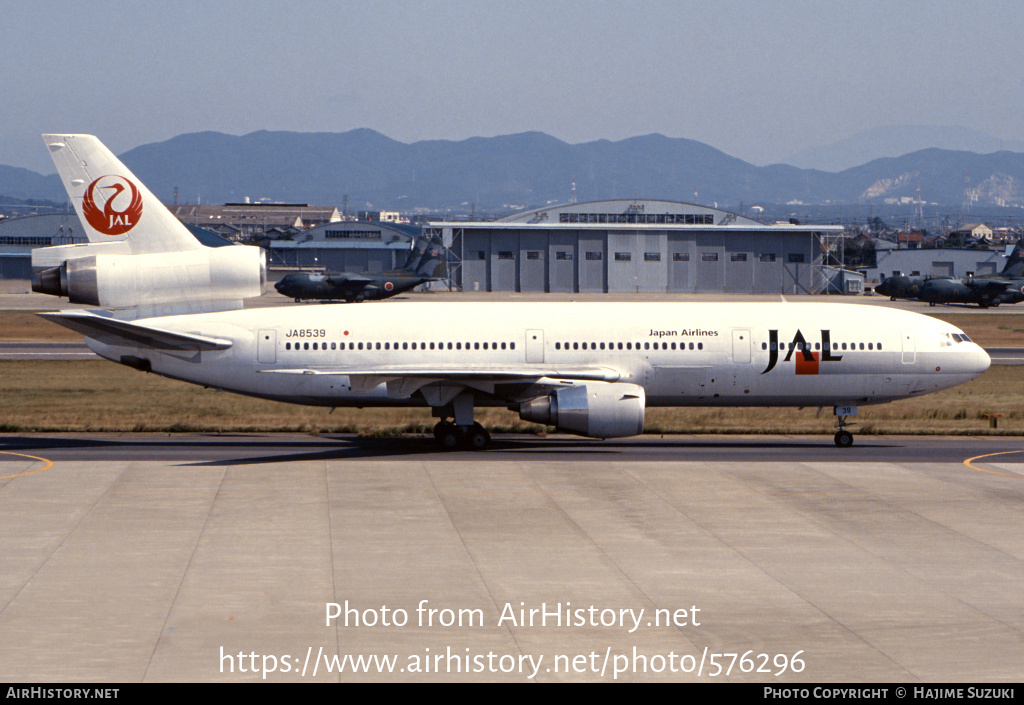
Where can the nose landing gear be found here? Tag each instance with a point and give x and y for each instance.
(843, 438)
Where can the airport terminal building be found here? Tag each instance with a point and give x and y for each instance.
(623, 246)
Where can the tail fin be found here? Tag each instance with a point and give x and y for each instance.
(140, 260)
(110, 200)
(416, 255)
(431, 263)
(1014, 264)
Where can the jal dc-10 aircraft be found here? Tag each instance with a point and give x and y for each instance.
(586, 368)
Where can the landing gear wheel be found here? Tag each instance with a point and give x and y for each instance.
(450, 439)
(447, 435)
(844, 439)
(478, 438)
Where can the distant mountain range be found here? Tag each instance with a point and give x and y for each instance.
(896, 140)
(529, 169)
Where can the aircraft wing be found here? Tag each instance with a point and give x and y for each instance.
(116, 332)
(439, 384)
(339, 279)
(604, 374)
(989, 285)
(600, 373)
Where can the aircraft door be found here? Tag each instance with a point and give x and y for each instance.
(909, 348)
(266, 346)
(535, 346)
(741, 346)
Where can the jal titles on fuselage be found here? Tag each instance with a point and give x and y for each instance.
(685, 332)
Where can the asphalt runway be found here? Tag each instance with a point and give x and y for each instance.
(714, 558)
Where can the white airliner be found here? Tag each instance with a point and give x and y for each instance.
(586, 368)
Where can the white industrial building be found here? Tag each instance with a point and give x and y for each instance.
(946, 262)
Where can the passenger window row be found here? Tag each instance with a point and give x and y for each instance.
(400, 346)
(628, 346)
(817, 346)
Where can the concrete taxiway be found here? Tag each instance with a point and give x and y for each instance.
(220, 558)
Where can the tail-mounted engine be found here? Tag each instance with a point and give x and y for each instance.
(125, 280)
(597, 410)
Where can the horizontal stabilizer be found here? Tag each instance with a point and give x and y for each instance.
(112, 331)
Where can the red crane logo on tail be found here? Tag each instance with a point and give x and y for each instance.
(120, 205)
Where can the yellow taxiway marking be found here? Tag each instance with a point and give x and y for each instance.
(993, 472)
(49, 464)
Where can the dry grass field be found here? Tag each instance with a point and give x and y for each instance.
(102, 396)
(24, 326)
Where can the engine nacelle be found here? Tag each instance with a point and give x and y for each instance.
(124, 280)
(595, 409)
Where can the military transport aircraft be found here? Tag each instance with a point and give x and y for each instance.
(1007, 287)
(900, 287)
(424, 263)
(585, 368)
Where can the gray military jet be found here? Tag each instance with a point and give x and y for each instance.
(425, 264)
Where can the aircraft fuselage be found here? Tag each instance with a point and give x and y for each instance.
(682, 354)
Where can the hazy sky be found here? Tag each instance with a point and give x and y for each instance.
(758, 80)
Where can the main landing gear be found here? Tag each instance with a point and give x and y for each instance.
(457, 430)
(451, 436)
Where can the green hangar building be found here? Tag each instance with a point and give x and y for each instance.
(623, 246)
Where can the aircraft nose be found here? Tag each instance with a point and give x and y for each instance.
(980, 361)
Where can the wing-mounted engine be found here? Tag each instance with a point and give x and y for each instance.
(596, 410)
